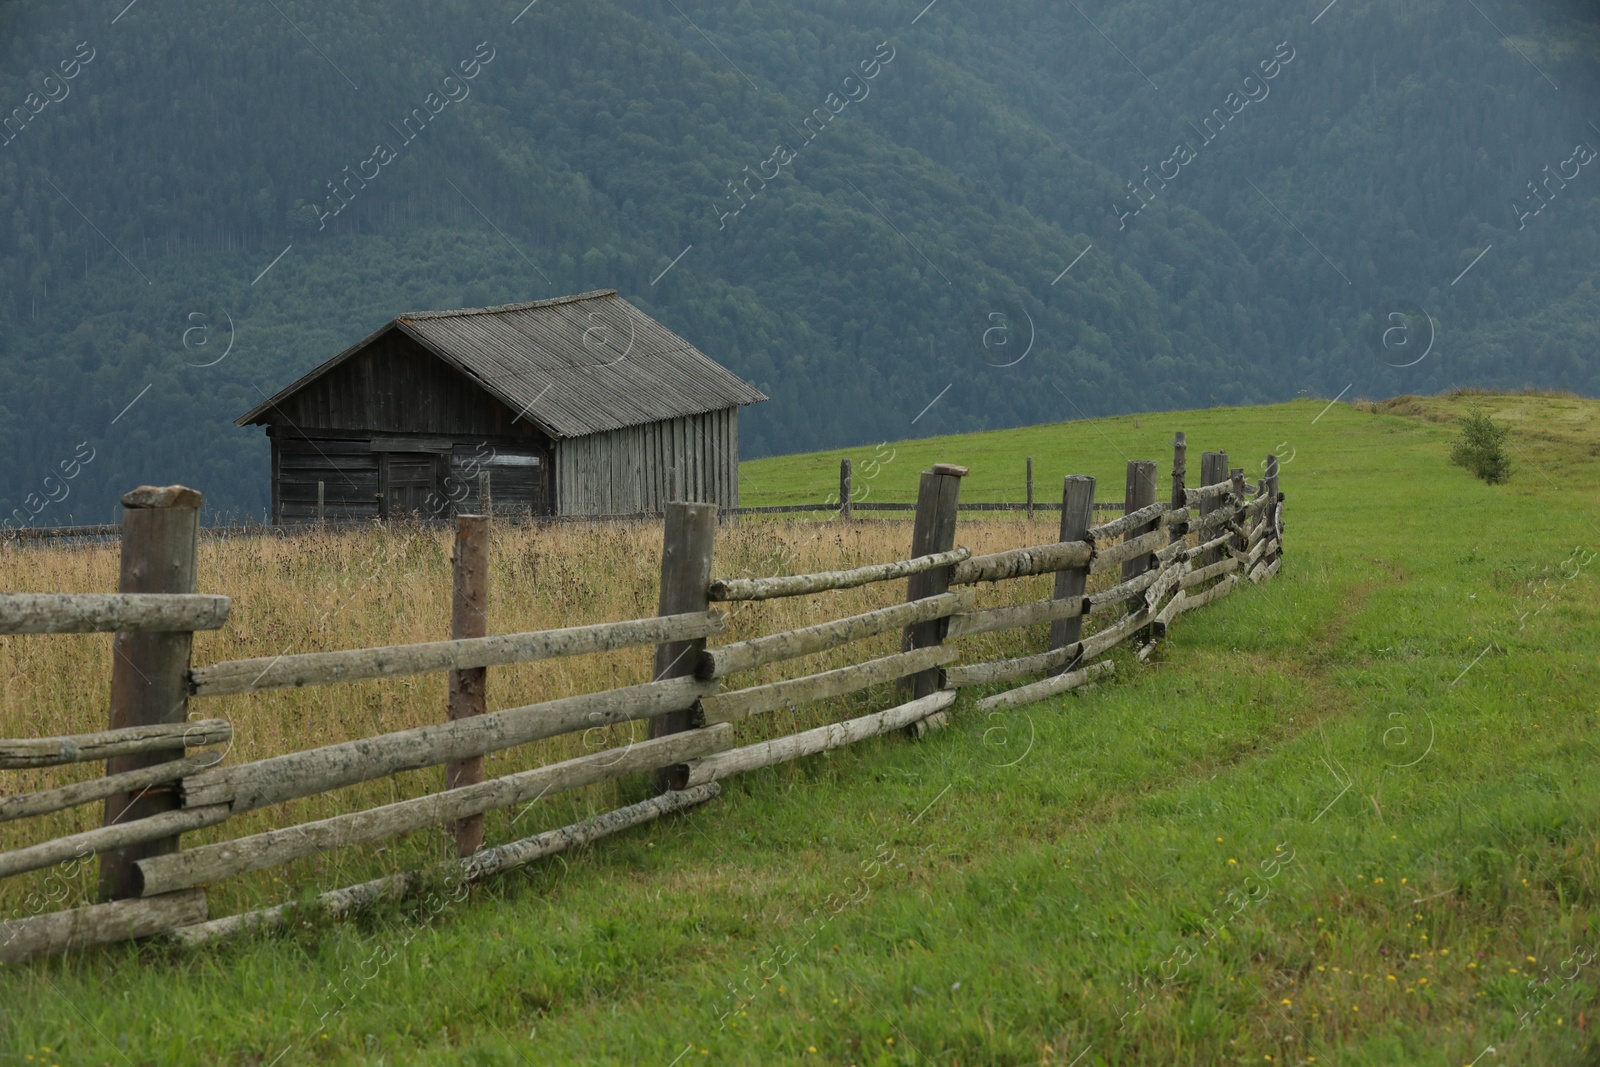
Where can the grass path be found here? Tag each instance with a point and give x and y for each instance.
(1344, 818)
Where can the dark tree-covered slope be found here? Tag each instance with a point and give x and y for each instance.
(913, 184)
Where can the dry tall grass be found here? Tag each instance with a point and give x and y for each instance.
(319, 591)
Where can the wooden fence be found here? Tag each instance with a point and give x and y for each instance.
(845, 504)
(1169, 556)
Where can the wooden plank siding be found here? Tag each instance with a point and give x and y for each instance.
(638, 468)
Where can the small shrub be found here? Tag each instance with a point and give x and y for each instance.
(1481, 448)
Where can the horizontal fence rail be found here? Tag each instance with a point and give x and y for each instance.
(210, 863)
(360, 664)
(82, 613)
(247, 786)
(803, 584)
(17, 753)
(1174, 556)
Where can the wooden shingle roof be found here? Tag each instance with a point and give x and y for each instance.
(573, 366)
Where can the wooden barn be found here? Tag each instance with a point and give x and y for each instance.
(581, 405)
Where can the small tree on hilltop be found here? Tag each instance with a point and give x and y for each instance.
(1481, 447)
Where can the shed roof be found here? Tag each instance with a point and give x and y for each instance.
(572, 366)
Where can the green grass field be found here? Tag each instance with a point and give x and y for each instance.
(1346, 817)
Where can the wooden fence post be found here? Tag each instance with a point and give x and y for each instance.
(845, 488)
(1241, 539)
(485, 501)
(1180, 470)
(1213, 469)
(689, 537)
(1269, 489)
(933, 531)
(469, 617)
(149, 671)
(322, 512)
(1030, 488)
(1077, 516)
(1140, 492)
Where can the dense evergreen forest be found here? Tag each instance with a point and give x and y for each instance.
(1012, 211)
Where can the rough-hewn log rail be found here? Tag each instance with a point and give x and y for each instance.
(98, 924)
(1131, 521)
(1011, 616)
(1216, 592)
(84, 613)
(360, 664)
(211, 863)
(480, 864)
(1200, 494)
(1204, 574)
(774, 648)
(1006, 670)
(1170, 577)
(821, 739)
(1119, 554)
(20, 753)
(1201, 549)
(70, 796)
(105, 838)
(1122, 590)
(801, 584)
(253, 785)
(1221, 518)
(740, 703)
(1023, 562)
(1048, 687)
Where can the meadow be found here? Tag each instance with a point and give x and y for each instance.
(1342, 817)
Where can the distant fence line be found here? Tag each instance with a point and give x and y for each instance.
(111, 531)
(842, 505)
(1170, 556)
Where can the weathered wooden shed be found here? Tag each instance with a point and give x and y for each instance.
(581, 405)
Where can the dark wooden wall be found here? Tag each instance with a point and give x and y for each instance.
(368, 477)
(394, 385)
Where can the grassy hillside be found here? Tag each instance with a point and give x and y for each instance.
(1342, 818)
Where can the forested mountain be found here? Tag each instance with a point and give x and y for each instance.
(863, 207)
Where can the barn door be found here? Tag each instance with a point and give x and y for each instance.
(410, 485)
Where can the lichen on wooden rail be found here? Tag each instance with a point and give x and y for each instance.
(210, 863)
(801, 584)
(22, 752)
(726, 707)
(821, 739)
(1222, 516)
(1005, 670)
(1022, 562)
(1122, 590)
(1119, 554)
(1131, 521)
(70, 796)
(60, 932)
(1216, 592)
(358, 664)
(105, 838)
(1048, 687)
(83, 613)
(1170, 577)
(1201, 549)
(774, 648)
(479, 865)
(1010, 616)
(1199, 495)
(1202, 575)
(297, 774)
